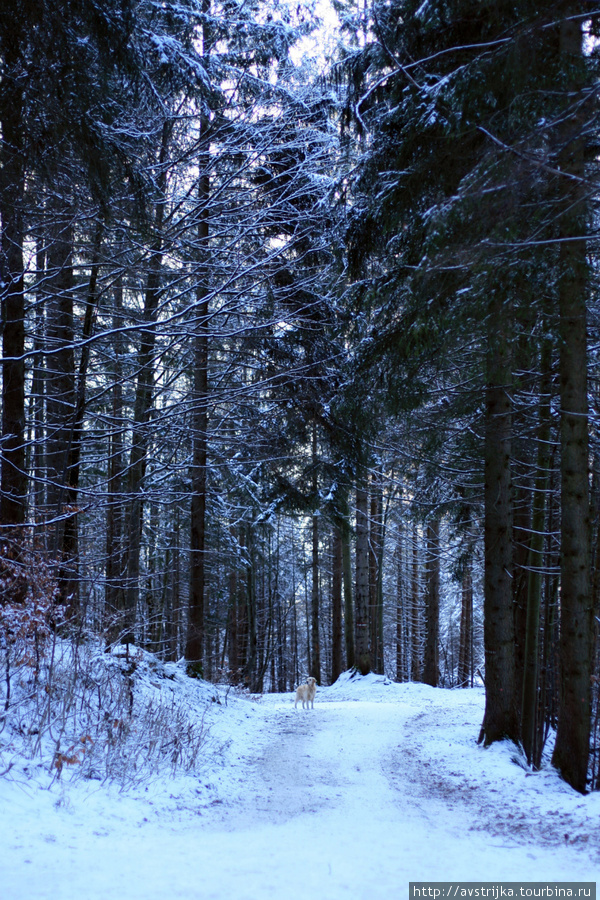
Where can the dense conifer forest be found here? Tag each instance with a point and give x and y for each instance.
(300, 334)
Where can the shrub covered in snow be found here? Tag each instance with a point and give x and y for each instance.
(81, 710)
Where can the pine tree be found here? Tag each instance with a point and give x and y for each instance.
(471, 116)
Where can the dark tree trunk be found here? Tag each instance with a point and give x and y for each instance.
(115, 585)
(345, 534)
(375, 580)
(315, 659)
(549, 661)
(69, 574)
(197, 638)
(281, 647)
(12, 187)
(501, 705)
(243, 626)
(520, 541)
(571, 750)
(233, 615)
(465, 660)
(142, 410)
(373, 575)
(400, 607)
(140, 439)
(524, 362)
(197, 611)
(173, 624)
(363, 656)
(432, 606)
(536, 559)
(415, 611)
(61, 395)
(38, 389)
(251, 673)
(336, 606)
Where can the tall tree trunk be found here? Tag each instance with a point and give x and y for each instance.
(281, 624)
(69, 574)
(524, 361)
(174, 643)
(380, 646)
(251, 668)
(571, 750)
(549, 663)
(345, 534)
(233, 647)
(375, 579)
(13, 477)
(142, 410)
(315, 660)
(522, 496)
(432, 605)
(415, 611)
(336, 605)
(197, 614)
(38, 388)
(243, 616)
(139, 449)
(60, 390)
(373, 509)
(501, 704)
(115, 587)
(465, 659)
(400, 606)
(536, 558)
(363, 656)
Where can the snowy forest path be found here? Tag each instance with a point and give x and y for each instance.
(311, 763)
(349, 801)
(356, 799)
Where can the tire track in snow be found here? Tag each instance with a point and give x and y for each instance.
(478, 797)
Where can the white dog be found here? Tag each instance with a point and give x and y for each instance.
(306, 693)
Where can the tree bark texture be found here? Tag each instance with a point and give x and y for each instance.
(69, 573)
(501, 707)
(315, 658)
(142, 410)
(115, 576)
(13, 478)
(195, 651)
(535, 559)
(432, 605)
(415, 610)
(400, 607)
(141, 435)
(61, 397)
(336, 606)
(465, 653)
(345, 534)
(363, 655)
(571, 750)
(375, 581)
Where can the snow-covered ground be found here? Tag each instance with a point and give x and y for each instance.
(380, 785)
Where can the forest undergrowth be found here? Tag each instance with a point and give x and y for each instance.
(104, 713)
